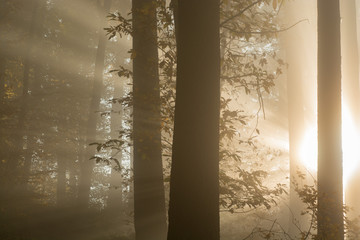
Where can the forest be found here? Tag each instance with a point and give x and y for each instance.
(179, 120)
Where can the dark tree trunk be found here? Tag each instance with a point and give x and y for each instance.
(351, 89)
(330, 184)
(194, 185)
(2, 77)
(3, 52)
(149, 197)
(86, 165)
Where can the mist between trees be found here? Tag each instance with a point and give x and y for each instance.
(179, 119)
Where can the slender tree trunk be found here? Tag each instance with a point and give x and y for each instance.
(61, 180)
(116, 182)
(2, 77)
(27, 159)
(86, 165)
(330, 184)
(24, 108)
(300, 45)
(35, 89)
(194, 184)
(149, 197)
(3, 51)
(296, 122)
(3, 145)
(351, 90)
(115, 192)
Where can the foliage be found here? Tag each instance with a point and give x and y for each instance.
(308, 194)
(248, 60)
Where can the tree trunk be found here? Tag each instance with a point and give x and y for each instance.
(86, 165)
(149, 197)
(24, 108)
(116, 181)
(35, 90)
(61, 180)
(330, 184)
(2, 77)
(351, 90)
(194, 184)
(300, 45)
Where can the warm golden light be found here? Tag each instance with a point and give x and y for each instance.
(350, 140)
(308, 149)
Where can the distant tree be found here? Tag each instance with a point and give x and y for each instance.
(97, 85)
(24, 106)
(351, 88)
(194, 182)
(149, 196)
(115, 198)
(330, 184)
(2, 77)
(301, 71)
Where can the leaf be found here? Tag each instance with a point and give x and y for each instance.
(132, 53)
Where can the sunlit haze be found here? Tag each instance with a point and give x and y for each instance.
(170, 119)
(350, 144)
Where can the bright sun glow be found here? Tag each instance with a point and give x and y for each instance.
(350, 140)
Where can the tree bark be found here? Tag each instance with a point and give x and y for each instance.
(149, 197)
(330, 184)
(194, 184)
(86, 165)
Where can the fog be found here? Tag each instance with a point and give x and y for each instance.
(87, 116)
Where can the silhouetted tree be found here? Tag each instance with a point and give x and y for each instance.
(194, 184)
(330, 184)
(149, 197)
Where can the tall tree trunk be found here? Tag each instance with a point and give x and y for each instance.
(330, 184)
(61, 179)
(116, 182)
(351, 89)
(25, 96)
(86, 165)
(115, 192)
(2, 77)
(35, 89)
(194, 184)
(300, 45)
(30, 142)
(149, 197)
